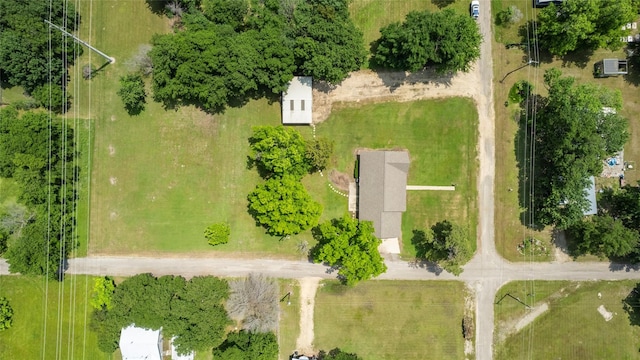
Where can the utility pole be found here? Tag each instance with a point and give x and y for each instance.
(109, 58)
(530, 62)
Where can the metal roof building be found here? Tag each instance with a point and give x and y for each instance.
(140, 344)
(297, 101)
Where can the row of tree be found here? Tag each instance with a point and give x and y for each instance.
(229, 51)
(573, 132)
(38, 153)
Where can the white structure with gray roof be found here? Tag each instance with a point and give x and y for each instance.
(297, 101)
(140, 344)
(382, 192)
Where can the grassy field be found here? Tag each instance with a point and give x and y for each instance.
(392, 320)
(371, 15)
(159, 178)
(572, 328)
(66, 334)
(510, 211)
(442, 148)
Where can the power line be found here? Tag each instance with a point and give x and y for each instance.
(65, 32)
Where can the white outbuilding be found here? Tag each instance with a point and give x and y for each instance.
(297, 101)
(140, 344)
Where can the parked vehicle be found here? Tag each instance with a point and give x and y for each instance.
(475, 9)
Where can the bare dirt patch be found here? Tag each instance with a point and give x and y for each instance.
(532, 315)
(560, 249)
(113, 180)
(340, 180)
(368, 86)
(113, 118)
(112, 150)
(308, 287)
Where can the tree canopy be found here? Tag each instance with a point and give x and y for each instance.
(337, 354)
(244, 345)
(584, 24)
(38, 155)
(573, 134)
(446, 40)
(283, 206)
(254, 302)
(445, 243)
(192, 311)
(132, 93)
(228, 52)
(25, 59)
(602, 236)
(351, 247)
(278, 151)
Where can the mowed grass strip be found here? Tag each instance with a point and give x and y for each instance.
(572, 328)
(510, 211)
(67, 319)
(442, 146)
(392, 320)
(289, 324)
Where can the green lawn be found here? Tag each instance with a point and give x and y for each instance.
(510, 211)
(442, 148)
(66, 334)
(159, 178)
(572, 328)
(392, 320)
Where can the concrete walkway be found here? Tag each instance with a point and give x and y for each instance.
(427, 187)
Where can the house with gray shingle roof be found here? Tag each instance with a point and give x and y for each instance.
(382, 187)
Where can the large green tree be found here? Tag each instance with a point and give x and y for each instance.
(584, 24)
(191, 311)
(602, 236)
(351, 246)
(132, 93)
(283, 206)
(278, 151)
(445, 243)
(28, 56)
(327, 44)
(573, 134)
(447, 40)
(37, 153)
(244, 345)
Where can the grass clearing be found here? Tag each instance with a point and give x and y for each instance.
(371, 15)
(159, 178)
(391, 319)
(67, 334)
(510, 211)
(289, 325)
(572, 328)
(441, 145)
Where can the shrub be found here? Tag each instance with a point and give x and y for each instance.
(6, 314)
(508, 16)
(132, 93)
(217, 234)
(519, 91)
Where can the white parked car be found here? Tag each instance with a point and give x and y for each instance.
(475, 8)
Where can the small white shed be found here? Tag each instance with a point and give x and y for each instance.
(297, 102)
(140, 344)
